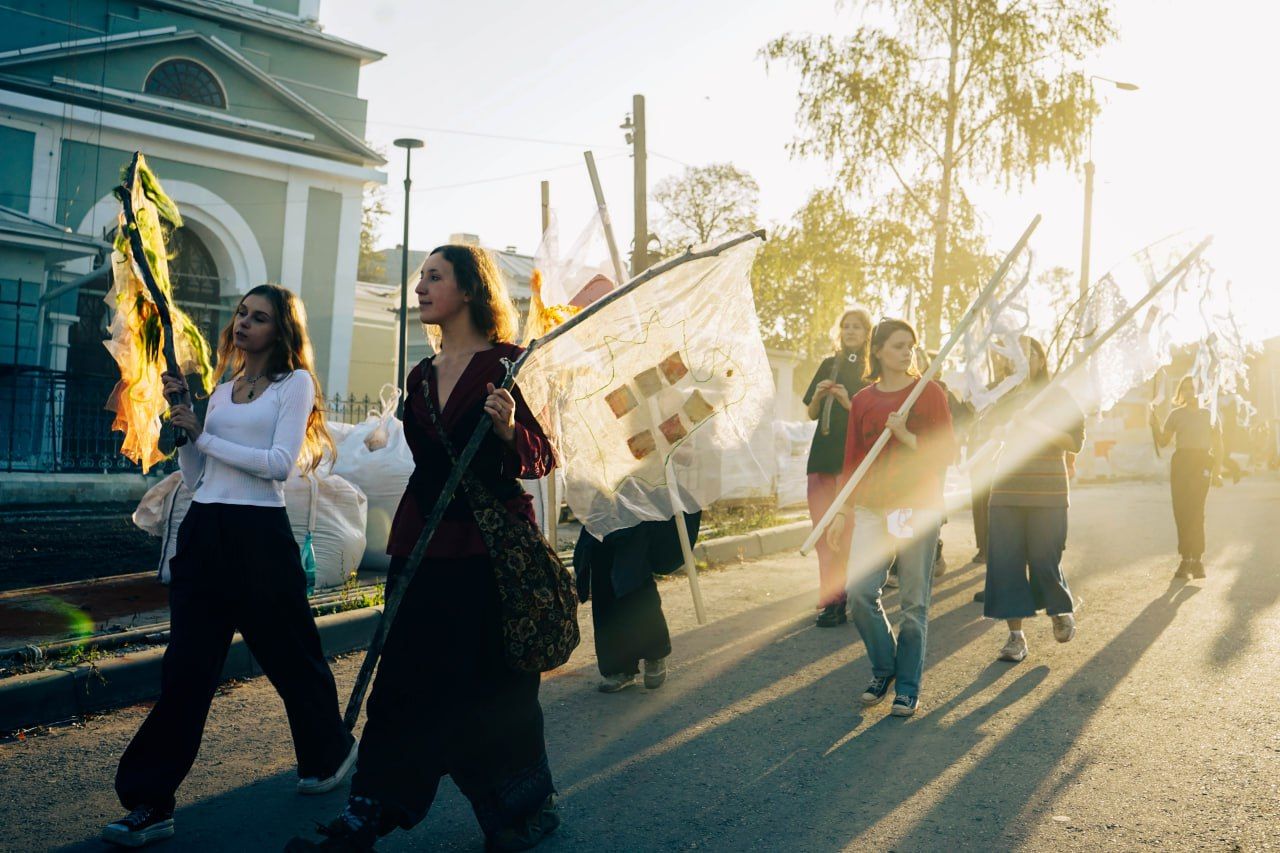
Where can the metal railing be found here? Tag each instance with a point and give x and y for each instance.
(53, 421)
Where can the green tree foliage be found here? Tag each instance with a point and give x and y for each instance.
(703, 204)
(832, 256)
(948, 93)
(372, 265)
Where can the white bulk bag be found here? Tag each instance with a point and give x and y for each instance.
(375, 457)
(330, 507)
(335, 513)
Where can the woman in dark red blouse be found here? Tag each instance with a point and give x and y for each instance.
(896, 511)
(444, 700)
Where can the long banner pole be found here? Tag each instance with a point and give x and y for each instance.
(934, 366)
(682, 529)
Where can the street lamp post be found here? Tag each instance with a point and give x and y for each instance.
(408, 144)
(1086, 240)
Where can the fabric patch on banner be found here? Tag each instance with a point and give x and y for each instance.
(898, 523)
(621, 401)
(673, 368)
(697, 407)
(649, 381)
(673, 429)
(642, 444)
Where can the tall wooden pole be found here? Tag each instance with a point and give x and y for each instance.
(553, 497)
(639, 153)
(686, 547)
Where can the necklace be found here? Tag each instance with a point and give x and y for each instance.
(253, 383)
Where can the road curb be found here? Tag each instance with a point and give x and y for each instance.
(53, 695)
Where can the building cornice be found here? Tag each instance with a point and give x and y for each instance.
(266, 21)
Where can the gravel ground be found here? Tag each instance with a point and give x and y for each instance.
(1155, 728)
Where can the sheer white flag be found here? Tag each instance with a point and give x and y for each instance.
(973, 376)
(668, 380)
(564, 284)
(1140, 346)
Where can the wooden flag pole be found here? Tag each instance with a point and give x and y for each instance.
(987, 450)
(686, 547)
(934, 366)
(552, 509)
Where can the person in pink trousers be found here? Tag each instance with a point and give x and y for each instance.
(838, 378)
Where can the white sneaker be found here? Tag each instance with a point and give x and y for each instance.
(655, 673)
(316, 785)
(617, 683)
(1064, 627)
(1015, 648)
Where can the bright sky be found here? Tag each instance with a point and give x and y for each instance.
(1194, 148)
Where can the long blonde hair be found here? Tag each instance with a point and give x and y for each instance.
(292, 351)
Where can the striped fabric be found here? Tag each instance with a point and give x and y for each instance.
(1040, 478)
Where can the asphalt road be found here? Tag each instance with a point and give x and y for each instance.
(1157, 727)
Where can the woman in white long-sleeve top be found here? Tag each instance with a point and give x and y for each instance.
(237, 566)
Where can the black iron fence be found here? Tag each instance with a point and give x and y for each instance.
(54, 421)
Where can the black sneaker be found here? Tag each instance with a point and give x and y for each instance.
(904, 706)
(980, 595)
(979, 558)
(140, 827)
(1195, 569)
(832, 615)
(529, 833)
(1184, 569)
(876, 690)
(353, 831)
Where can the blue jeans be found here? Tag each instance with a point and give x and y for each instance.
(871, 552)
(1024, 562)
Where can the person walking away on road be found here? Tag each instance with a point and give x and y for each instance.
(616, 573)
(445, 701)
(1027, 525)
(896, 511)
(1192, 468)
(838, 378)
(238, 567)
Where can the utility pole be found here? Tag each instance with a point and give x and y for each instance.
(1086, 242)
(634, 125)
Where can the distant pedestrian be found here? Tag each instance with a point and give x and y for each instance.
(616, 573)
(838, 378)
(1191, 470)
(1027, 522)
(896, 511)
(238, 567)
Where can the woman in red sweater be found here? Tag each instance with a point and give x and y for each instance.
(896, 511)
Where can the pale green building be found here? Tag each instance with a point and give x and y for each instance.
(248, 112)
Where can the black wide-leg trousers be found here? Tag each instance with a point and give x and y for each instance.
(236, 568)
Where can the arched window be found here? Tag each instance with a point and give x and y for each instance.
(185, 80)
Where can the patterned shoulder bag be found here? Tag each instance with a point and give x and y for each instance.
(537, 595)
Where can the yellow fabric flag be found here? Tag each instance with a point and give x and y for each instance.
(137, 334)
